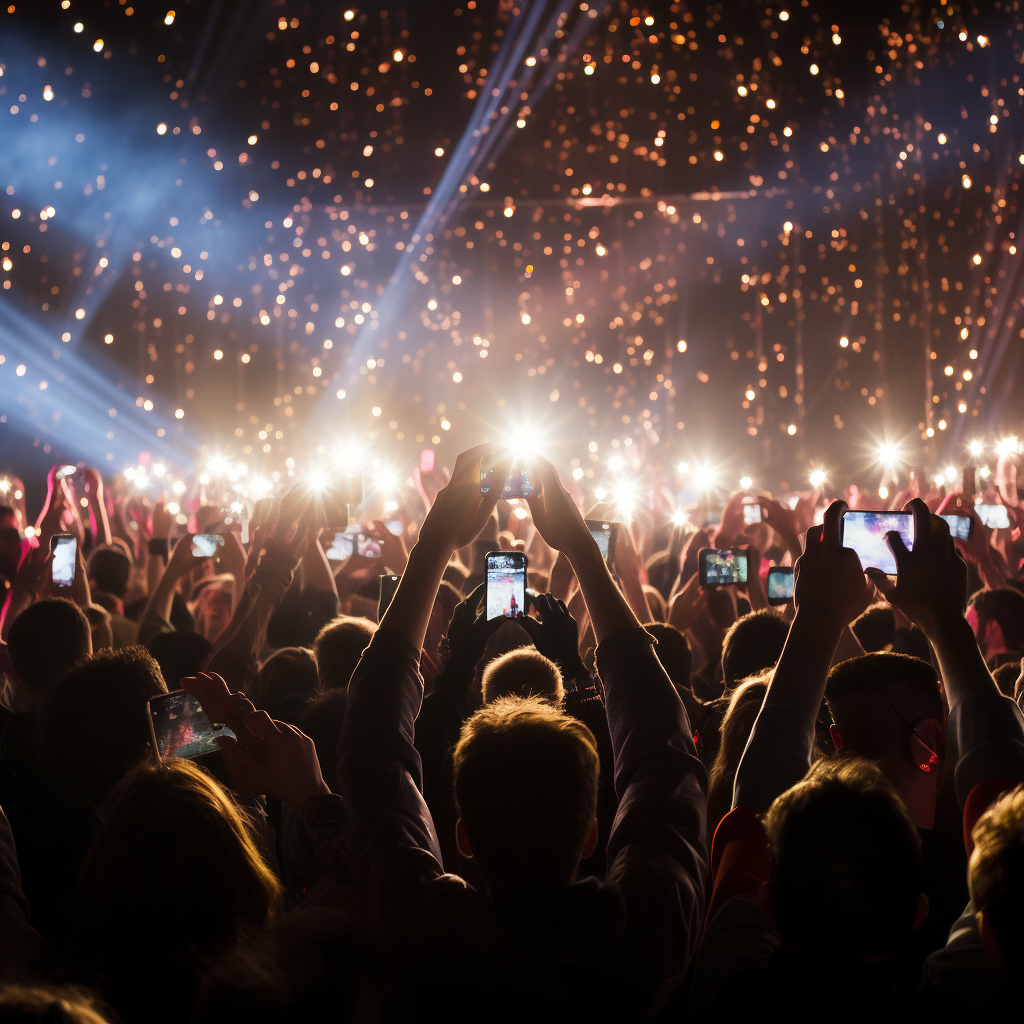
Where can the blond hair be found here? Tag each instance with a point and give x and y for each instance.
(524, 672)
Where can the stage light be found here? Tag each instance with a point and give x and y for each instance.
(159, 469)
(883, 492)
(984, 472)
(600, 493)
(746, 483)
(259, 487)
(316, 479)
(5, 485)
(705, 476)
(679, 517)
(179, 487)
(218, 465)
(683, 468)
(616, 463)
(1008, 446)
(625, 499)
(818, 477)
(976, 447)
(173, 507)
(524, 442)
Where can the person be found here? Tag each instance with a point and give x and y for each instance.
(523, 672)
(338, 647)
(552, 947)
(110, 568)
(175, 861)
(997, 618)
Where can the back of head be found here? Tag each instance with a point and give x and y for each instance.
(179, 655)
(93, 725)
(46, 640)
(35, 1004)
(844, 862)
(753, 643)
(875, 628)
(172, 873)
(338, 647)
(744, 706)
(300, 617)
(876, 699)
(286, 683)
(109, 569)
(524, 672)
(996, 875)
(526, 785)
(673, 652)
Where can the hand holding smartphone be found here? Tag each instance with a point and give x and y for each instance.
(722, 567)
(520, 482)
(205, 545)
(781, 585)
(865, 533)
(179, 727)
(505, 591)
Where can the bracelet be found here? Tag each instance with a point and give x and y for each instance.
(159, 546)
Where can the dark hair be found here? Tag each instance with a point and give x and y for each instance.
(338, 648)
(1005, 606)
(172, 839)
(744, 707)
(875, 628)
(525, 832)
(300, 617)
(286, 683)
(844, 861)
(46, 640)
(753, 643)
(673, 651)
(321, 722)
(110, 568)
(93, 725)
(179, 655)
(1006, 677)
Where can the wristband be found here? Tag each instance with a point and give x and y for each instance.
(159, 546)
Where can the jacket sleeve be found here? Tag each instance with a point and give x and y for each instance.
(378, 766)
(657, 851)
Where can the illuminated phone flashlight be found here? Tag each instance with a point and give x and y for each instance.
(679, 517)
(5, 485)
(976, 447)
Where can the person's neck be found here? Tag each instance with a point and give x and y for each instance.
(918, 796)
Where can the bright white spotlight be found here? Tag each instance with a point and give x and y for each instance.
(883, 492)
(626, 499)
(705, 476)
(600, 493)
(985, 472)
(950, 473)
(259, 487)
(1008, 446)
(218, 464)
(746, 483)
(159, 469)
(349, 455)
(679, 517)
(818, 477)
(179, 487)
(386, 480)
(524, 442)
(316, 479)
(616, 463)
(888, 454)
(683, 468)
(976, 447)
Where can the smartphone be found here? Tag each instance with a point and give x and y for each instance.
(367, 546)
(959, 526)
(341, 546)
(505, 594)
(180, 728)
(751, 513)
(65, 552)
(865, 533)
(388, 585)
(65, 471)
(204, 545)
(604, 534)
(995, 517)
(395, 526)
(722, 567)
(518, 485)
(427, 460)
(781, 584)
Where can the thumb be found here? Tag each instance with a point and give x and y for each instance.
(896, 546)
(885, 585)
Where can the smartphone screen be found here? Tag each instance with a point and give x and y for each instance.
(865, 533)
(506, 584)
(64, 551)
(204, 545)
(367, 546)
(722, 568)
(995, 517)
(395, 526)
(781, 585)
(751, 513)
(604, 534)
(959, 526)
(518, 485)
(180, 727)
(341, 546)
(427, 460)
(388, 585)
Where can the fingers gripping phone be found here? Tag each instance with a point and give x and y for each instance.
(505, 593)
(865, 532)
(179, 728)
(65, 554)
(720, 567)
(520, 482)
(781, 584)
(604, 533)
(388, 585)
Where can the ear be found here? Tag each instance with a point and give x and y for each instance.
(462, 840)
(989, 943)
(923, 909)
(591, 844)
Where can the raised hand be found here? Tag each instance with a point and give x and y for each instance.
(555, 514)
(222, 707)
(555, 634)
(470, 629)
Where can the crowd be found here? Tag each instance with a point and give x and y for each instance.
(637, 795)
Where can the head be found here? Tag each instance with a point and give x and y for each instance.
(300, 617)
(100, 628)
(338, 648)
(753, 643)
(888, 708)
(524, 672)
(36, 1004)
(286, 683)
(523, 831)
(875, 628)
(995, 875)
(172, 840)
(211, 605)
(93, 724)
(744, 706)
(179, 655)
(109, 569)
(844, 861)
(997, 618)
(673, 652)
(46, 640)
